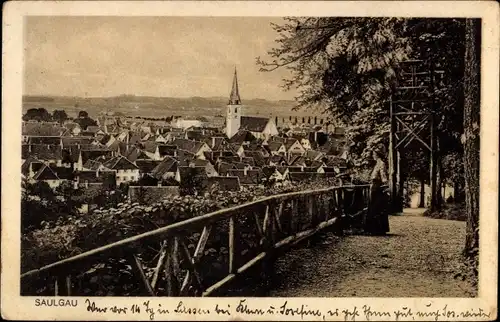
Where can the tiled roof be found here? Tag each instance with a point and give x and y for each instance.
(251, 176)
(92, 164)
(248, 160)
(165, 149)
(46, 152)
(63, 173)
(147, 166)
(188, 145)
(94, 154)
(74, 140)
(166, 165)
(268, 171)
(223, 183)
(224, 167)
(34, 163)
(51, 140)
(199, 172)
(120, 163)
(304, 176)
(274, 146)
(257, 157)
(253, 123)
(45, 173)
(242, 136)
(42, 129)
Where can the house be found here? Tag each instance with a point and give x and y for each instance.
(209, 168)
(48, 153)
(45, 140)
(146, 167)
(260, 127)
(247, 177)
(314, 155)
(237, 148)
(242, 136)
(184, 174)
(300, 176)
(30, 167)
(93, 152)
(167, 168)
(216, 142)
(72, 157)
(126, 171)
(272, 173)
(276, 148)
(134, 154)
(53, 175)
(257, 157)
(95, 178)
(293, 146)
(68, 141)
(223, 183)
(41, 129)
(182, 123)
(224, 167)
(196, 148)
(93, 165)
(277, 160)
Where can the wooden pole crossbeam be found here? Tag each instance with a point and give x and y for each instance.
(416, 130)
(412, 132)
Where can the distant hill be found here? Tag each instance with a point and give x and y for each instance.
(158, 106)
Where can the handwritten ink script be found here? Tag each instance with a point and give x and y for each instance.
(246, 309)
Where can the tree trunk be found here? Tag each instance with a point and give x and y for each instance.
(421, 204)
(471, 133)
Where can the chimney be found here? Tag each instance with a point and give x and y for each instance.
(213, 141)
(245, 171)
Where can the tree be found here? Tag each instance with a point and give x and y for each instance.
(84, 120)
(59, 116)
(37, 114)
(83, 114)
(347, 67)
(471, 134)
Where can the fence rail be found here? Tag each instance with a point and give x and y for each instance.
(201, 255)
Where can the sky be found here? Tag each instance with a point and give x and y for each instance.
(150, 56)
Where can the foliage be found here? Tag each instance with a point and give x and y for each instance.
(37, 114)
(448, 211)
(104, 226)
(84, 120)
(347, 67)
(59, 116)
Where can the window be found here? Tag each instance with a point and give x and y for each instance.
(235, 110)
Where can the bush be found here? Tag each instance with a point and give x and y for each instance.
(71, 235)
(448, 211)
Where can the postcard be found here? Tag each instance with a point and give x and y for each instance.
(250, 160)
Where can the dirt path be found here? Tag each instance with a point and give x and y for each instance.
(416, 260)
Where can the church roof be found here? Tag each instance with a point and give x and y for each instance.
(253, 123)
(234, 97)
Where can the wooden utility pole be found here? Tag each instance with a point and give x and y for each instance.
(412, 113)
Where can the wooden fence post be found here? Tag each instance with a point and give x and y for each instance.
(231, 243)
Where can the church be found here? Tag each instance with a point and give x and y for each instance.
(260, 127)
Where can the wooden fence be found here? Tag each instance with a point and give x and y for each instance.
(201, 255)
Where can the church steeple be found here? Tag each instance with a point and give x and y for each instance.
(234, 98)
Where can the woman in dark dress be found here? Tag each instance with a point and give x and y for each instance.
(376, 221)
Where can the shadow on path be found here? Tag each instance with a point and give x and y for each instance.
(416, 259)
